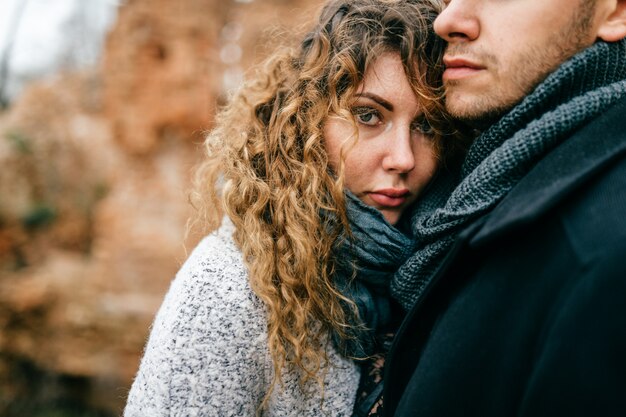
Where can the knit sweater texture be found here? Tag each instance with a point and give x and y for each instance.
(207, 354)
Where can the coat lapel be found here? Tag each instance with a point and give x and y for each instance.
(558, 175)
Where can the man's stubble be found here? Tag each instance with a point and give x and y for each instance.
(530, 68)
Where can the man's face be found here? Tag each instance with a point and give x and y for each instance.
(499, 50)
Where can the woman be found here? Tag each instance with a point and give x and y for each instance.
(316, 163)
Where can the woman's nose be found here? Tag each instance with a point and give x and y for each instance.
(398, 155)
(458, 22)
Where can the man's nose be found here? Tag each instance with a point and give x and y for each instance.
(458, 22)
(399, 156)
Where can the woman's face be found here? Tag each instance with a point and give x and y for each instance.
(394, 157)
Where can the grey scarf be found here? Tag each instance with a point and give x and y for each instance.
(373, 255)
(581, 89)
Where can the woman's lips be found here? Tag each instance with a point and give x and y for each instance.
(389, 197)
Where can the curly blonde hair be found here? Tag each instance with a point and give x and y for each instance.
(267, 168)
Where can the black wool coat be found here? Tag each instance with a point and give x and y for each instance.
(527, 316)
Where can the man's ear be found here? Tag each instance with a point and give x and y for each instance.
(613, 28)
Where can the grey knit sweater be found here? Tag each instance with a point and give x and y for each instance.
(207, 354)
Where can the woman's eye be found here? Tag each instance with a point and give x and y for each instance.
(367, 116)
(423, 126)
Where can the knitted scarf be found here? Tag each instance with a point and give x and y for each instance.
(581, 89)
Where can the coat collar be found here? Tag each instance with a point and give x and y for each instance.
(558, 175)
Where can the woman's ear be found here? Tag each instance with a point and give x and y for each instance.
(613, 28)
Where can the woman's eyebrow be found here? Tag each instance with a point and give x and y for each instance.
(378, 99)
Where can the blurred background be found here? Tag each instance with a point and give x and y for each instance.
(103, 105)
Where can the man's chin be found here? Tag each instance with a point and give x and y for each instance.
(475, 111)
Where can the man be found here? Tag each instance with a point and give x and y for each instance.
(516, 297)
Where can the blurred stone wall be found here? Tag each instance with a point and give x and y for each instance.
(93, 206)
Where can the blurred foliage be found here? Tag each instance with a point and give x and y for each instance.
(40, 215)
(58, 409)
(20, 142)
(34, 392)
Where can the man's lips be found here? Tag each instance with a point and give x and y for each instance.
(389, 197)
(457, 68)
